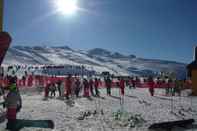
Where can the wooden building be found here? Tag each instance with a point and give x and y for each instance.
(192, 73)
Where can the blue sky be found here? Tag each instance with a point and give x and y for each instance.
(159, 29)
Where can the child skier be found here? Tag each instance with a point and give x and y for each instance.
(13, 104)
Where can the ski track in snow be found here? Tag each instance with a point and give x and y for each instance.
(136, 101)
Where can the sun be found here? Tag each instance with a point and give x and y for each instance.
(66, 7)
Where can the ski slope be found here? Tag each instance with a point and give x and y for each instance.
(136, 101)
(97, 59)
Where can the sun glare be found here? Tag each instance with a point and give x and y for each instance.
(66, 7)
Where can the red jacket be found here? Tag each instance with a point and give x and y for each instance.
(91, 83)
(96, 84)
(151, 84)
(122, 84)
(68, 83)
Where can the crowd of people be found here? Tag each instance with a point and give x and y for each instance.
(73, 86)
(89, 86)
(76, 84)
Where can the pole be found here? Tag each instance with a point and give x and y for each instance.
(1, 15)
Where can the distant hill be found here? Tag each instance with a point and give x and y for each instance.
(97, 59)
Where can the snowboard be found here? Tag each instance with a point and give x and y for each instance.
(171, 124)
(33, 123)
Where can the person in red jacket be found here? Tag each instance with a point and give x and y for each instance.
(122, 86)
(151, 85)
(68, 86)
(30, 81)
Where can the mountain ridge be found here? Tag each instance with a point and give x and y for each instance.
(98, 59)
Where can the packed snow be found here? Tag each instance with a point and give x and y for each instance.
(155, 109)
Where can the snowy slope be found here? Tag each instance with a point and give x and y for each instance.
(97, 59)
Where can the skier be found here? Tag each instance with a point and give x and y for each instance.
(24, 80)
(30, 81)
(108, 83)
(133, 82)
(169, 87)
(46, 90)
(59, 87)
(53, 89)
(137, 81)
(77, 87)
(178, 86)
(122, 86)
(68, 84)
(96, 85)
(91, 84)
(13, 104)
(151, 85)
(86, 88)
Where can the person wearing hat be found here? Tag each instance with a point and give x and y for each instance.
(13, 104)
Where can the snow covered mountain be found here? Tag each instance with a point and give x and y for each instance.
(96, 59)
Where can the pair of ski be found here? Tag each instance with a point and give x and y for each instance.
(20, 124)
(169, 125)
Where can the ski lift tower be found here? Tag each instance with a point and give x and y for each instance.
(192, 73)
